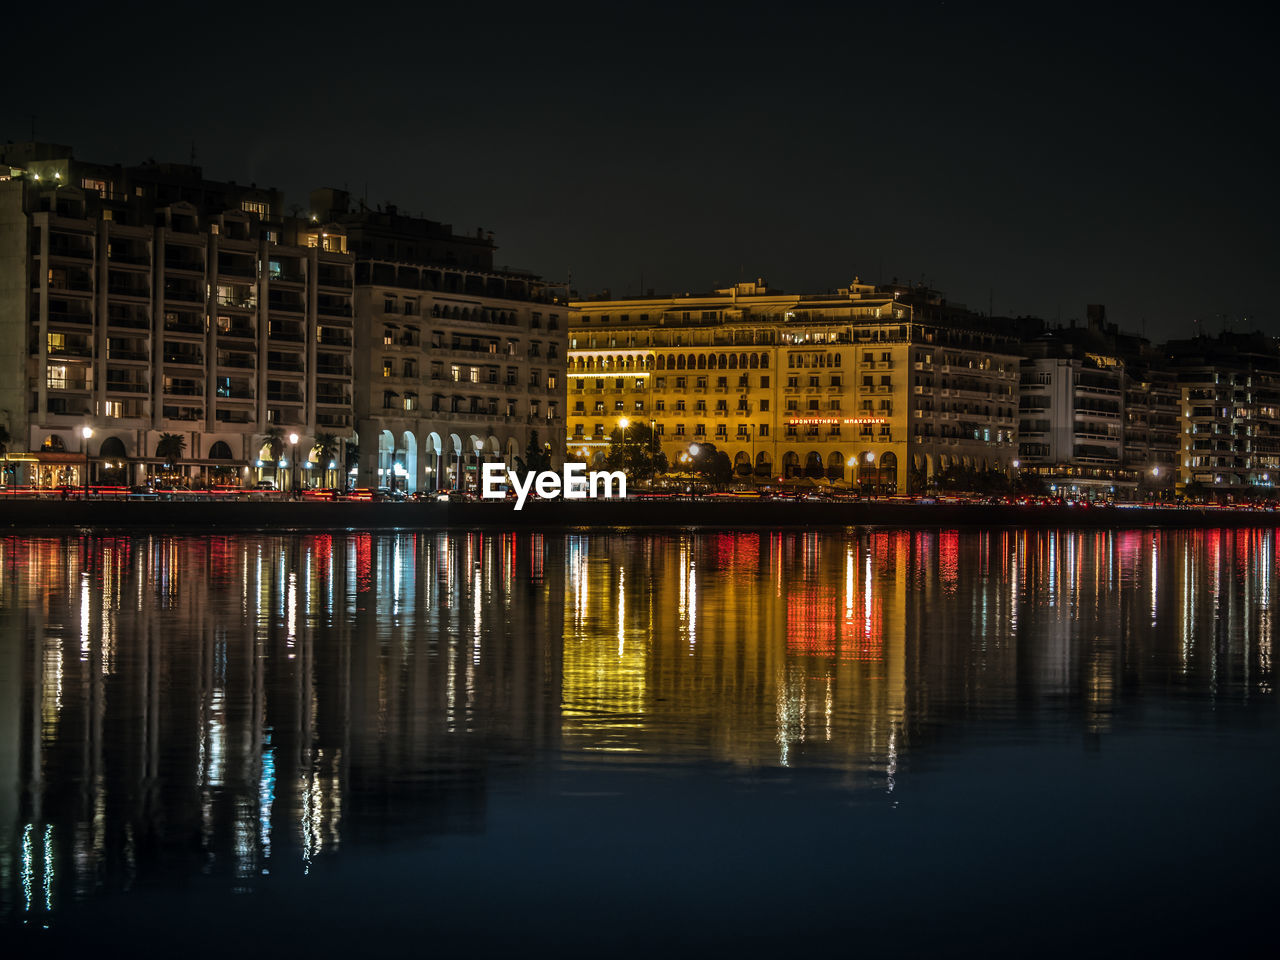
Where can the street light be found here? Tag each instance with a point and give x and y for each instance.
(653, 452)
(479, 445)
(86, 432)
(871, 458)
(293, 470)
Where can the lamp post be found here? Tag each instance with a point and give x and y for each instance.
(653, 452)
(623, 422)
(293, 464)
(479, 445)
(875, 480)
(85, 433)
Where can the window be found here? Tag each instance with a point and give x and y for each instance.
(386, 368)
(793, 382)
(722, 382)
(256, 207)
(702, 383)
(388, 305)
(764, 406)
(763, 431)
(764, 382)
(681, 382)
(813, 381)
(661, 383)
(835, 380)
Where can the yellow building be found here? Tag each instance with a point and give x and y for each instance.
(883, 387)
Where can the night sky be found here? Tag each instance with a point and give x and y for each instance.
(1042, 158)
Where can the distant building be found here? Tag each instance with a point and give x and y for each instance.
(457, 363)
(140, 301)
(882, 387)
(1230, 412)
(1097, 415)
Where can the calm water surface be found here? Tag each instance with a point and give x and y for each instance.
(1043, 742)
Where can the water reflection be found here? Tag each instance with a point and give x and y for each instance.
(241, 707)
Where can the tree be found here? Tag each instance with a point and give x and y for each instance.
(536, 455)
(170, 448)
(711, 464)
(5, 440)
(634, 450)
(326, 451)
(274, 442)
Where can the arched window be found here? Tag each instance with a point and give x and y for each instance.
(112, 449)
(220, 451)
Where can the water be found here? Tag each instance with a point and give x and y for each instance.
(1041, 741)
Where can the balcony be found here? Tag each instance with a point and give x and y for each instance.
(64, 316)
(127, 386)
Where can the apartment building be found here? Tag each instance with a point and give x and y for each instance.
(884, 387)
(142, 301)
(1097, 412)
(1229, 412)
(458, 362)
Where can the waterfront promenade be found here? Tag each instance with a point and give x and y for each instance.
(711, 512)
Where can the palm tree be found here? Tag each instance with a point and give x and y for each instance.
(274, 442)
(169, 448)
(5, 440)
(326, 452)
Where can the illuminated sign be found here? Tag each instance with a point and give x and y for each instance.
(831, 421)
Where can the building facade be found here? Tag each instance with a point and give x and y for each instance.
(1230, 413)
(458, 363)
(881, 387)
(1098, 415)
(142, 302)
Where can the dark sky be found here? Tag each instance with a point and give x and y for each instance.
(1057, 155)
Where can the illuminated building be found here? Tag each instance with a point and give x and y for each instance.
(140, 301)
(457, 362)
(1230, 411)
(1097, 413)
(879, 386)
